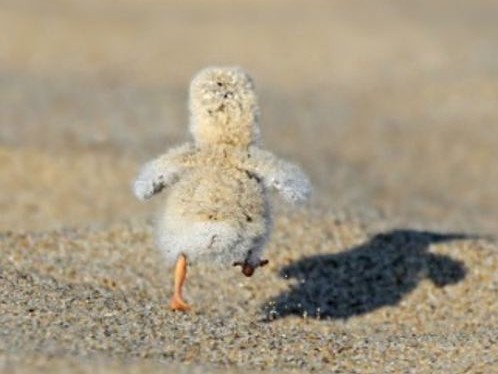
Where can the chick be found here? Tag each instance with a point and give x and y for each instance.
(217, 208)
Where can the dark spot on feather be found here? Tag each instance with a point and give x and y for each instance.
(212, 241)
(252, 176)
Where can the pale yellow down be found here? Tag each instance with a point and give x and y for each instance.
(217, 206)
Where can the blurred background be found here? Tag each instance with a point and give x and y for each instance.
(390, 106)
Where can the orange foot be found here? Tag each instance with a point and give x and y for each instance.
(177, 304)
(248, 269)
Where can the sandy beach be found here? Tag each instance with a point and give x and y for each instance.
(390, 107)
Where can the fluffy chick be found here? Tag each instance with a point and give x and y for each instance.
(217, 208)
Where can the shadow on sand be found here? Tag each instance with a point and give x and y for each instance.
(366, 277)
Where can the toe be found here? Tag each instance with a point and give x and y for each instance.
(247, 270)
(177, 304)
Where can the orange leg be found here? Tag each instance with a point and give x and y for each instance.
(177, 302)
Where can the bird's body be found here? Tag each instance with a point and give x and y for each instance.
(217, 212)
(217, 207)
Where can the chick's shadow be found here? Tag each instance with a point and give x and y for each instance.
(372, 275)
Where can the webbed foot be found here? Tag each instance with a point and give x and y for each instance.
(177, 304)
(248, 269)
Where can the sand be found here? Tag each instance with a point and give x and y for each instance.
(389, 107)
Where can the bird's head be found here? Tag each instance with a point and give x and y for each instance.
(223, 107)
